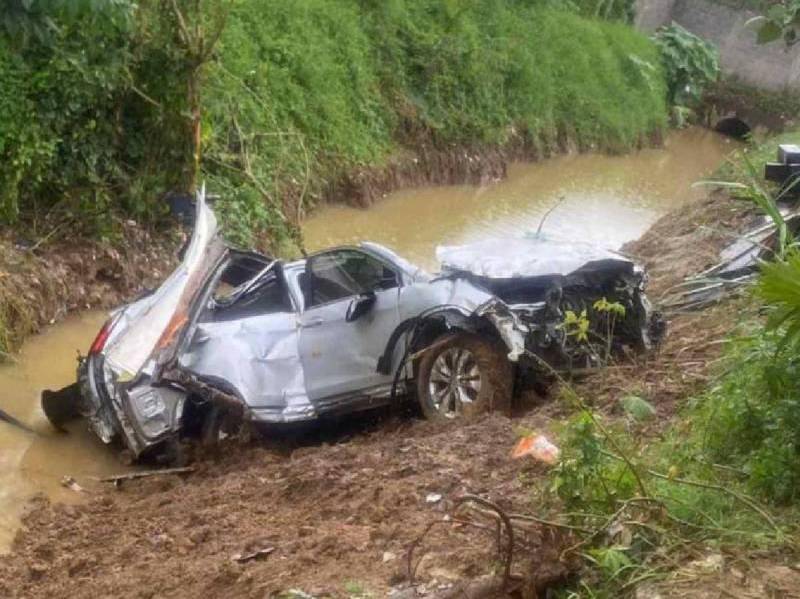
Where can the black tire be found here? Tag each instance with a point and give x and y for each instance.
(219, 424)
(487, 357)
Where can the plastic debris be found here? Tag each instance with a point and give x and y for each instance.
(71, 484)
(537, 446)
(433, 498)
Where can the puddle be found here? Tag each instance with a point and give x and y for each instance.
(608, 200)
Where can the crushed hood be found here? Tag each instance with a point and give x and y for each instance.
(525, 257)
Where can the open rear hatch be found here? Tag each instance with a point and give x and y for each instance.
(140, 336)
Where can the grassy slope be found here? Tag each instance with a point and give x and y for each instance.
(342, 84)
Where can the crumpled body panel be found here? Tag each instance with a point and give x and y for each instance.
(523, 258)
(257, 360)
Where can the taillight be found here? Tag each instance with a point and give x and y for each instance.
(100, 341)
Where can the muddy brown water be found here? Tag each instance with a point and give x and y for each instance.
(605, 199)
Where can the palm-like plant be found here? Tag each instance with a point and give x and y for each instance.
(779, 286)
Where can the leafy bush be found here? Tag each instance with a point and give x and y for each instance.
(750, 420)
(781, 21)
(690, 64)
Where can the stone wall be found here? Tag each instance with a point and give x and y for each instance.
(771, 66)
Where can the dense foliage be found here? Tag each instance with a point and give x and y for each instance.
(780, 21)
(98, 97)
(690, 63)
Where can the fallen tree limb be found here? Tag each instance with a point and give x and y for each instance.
(120, 478)
(6, 417)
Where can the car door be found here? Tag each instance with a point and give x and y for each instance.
(340, 357)
(246, 340)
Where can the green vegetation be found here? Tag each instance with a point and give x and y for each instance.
(725, 472)
(691, 64)
(780, 21)
(747, 165)
(104, 105)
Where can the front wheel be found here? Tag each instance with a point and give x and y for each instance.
(463, 374)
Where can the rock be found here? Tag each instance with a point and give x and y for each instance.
(37, 570)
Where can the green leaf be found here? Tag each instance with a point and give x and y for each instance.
(637, 408)
(769, 32)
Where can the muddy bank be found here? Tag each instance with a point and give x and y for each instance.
(41, 285)
(339, 511)
(429, 164)
(337, 507)
(680, 244)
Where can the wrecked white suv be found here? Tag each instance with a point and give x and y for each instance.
(234, 335)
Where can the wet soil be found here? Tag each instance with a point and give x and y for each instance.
(339, 513)
(680, 244)
(336, 508)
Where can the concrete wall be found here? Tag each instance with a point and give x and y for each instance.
(771, 66)
(652, 14)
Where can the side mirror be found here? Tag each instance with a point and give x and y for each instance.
(360, 305)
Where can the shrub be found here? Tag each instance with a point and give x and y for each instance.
(690, 64)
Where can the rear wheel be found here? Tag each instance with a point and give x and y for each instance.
(463, 374)
(219, 424)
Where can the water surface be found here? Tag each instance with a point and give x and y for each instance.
(604, 199)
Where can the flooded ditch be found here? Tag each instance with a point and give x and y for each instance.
(604, 199)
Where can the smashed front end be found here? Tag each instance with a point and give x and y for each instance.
(578, 302)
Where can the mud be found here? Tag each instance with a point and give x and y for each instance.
(340, 510)
(684, 242)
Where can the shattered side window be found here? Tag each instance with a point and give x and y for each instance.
(247, 288)
(345, 273)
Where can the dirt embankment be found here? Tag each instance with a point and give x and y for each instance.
(454, 164)
(682, 243)
(336, 508)
(40, 285)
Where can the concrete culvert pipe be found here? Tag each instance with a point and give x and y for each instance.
(732, 126)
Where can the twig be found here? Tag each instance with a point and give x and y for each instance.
(509, 530)
(608, 522)
(748, 501)
(548, 213)
(145, 97)
(742, 498)
(526, 517)
(411, 568)
(6, 417)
